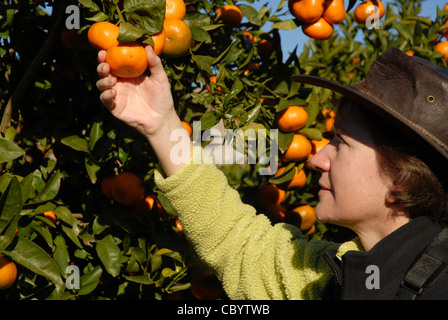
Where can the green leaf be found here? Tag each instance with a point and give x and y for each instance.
(251, 14)
(203, 62)
(286, 25)
(311, 133)
(143, 279)
(208, 120)
(200, 35)
(89, 281)
(9, 150)
(77, 143)
(10, 203)
(147, 15)
(129, 32)
(286, 175)
(284, 140)
(110, 255)
(51, 188)
(31, 256)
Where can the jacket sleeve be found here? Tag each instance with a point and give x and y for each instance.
(252, 258)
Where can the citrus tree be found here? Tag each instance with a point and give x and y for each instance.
(77, 190)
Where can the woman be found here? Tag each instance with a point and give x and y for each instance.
(364, 188)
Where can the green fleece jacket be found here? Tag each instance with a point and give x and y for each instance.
(253, 258)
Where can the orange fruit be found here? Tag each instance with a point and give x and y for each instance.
(329, 116)
(127, 60)
(50, 215)
(292, 119)
(206, 286)
(334, 11)
(127, 189)
(175, 9)
(264, 48)
(106, 186)
(298, 181)
(159, 39)
(8, 272)
(103, 35)
(230, 14)
(249, 36)
(213, 83)
(270, 193)
(299, 149)
(410, 52)
(276, 212)
(364, 10)
(319, 30)
(302, 216)
(178, 225)
(307, 11)
(147, 204)
(73, 41)
(178, 38)
(442, 47)
(187, 127)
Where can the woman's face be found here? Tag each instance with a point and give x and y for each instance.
(353, 190)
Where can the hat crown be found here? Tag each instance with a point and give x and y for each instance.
(413, 88)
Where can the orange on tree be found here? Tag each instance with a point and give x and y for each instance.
(302, 216)
(127, 189)
(230, 14)
(307, 11)
(148, 203)
(8, 273)
(178, 38)
(329, 119)
(298, 180)
(319, 30)
(127, 59)
(73, 41)
(103, 35)
(264, 48)
(159, 39)
(106, 185)
(299, 149)
(50, 215)
(269, 193)
(292, 118)
(334, 11)
(368, 9)
(276, 212)
(442, 47)
(213, 83)
(175, 9)
(187, 127)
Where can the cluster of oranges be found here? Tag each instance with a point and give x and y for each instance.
(128, 190)
(272, 196)
(128, 59)
(319, 16)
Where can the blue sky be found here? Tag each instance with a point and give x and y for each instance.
(291, 38)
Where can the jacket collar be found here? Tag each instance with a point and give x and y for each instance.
(392, 257)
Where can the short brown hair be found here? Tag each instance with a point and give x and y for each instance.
(419, 175)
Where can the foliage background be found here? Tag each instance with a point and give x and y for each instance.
(58, 142)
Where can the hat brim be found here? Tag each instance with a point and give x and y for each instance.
(357, 93)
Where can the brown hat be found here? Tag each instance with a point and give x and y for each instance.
(408, 91)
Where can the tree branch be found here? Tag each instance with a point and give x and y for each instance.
(29, 76)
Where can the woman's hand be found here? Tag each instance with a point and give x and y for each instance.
(144, 103)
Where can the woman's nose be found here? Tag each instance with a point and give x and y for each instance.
(321, 160)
